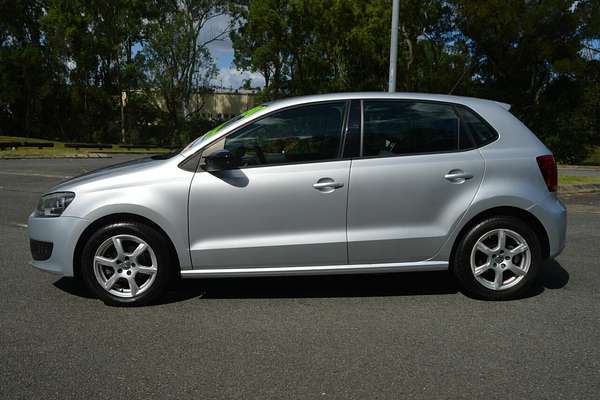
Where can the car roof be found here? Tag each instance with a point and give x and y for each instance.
(467, 101)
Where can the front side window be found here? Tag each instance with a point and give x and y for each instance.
(300, 134)
(405, 127)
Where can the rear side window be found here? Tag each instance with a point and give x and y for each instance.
(475, 129)
(405, 127)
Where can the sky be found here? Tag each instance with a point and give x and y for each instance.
(222, 52)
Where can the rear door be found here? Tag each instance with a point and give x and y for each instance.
(410, 183)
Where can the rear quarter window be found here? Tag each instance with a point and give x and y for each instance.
(477, 132)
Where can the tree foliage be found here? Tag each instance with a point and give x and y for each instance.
(179, 63)
(111, 70)
(540, 56)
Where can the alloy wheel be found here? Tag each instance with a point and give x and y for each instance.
(500, 259)
(125, 265)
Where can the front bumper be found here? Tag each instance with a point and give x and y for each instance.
(552, 213)
(63, 233)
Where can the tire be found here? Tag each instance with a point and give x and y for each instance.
(124, 277)
(487, 270)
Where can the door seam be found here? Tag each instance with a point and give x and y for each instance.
(347, 207)
(461, 218)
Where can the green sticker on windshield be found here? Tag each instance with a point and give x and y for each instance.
(216, 129)
(253, 110)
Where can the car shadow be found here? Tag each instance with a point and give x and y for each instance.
(322, 286)
(319, 286)
(233, 177)
(73, 286)
(554, 276)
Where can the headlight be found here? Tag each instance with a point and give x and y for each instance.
(54, 204)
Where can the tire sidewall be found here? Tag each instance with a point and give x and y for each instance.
(154, 239)
(462, 259)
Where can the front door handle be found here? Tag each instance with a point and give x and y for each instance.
(457, 176)
(327, 185)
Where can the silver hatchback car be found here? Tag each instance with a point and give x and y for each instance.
(328, 184)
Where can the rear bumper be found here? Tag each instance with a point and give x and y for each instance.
(62, 233)
(552, 213)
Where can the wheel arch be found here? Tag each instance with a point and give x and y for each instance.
(111, 219)
(520, 213)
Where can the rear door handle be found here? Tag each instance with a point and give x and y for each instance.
(327, 185)
(323, 185)
(457, 176)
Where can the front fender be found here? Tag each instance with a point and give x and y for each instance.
(177, 234)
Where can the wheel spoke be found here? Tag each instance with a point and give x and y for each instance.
(516, 270)
(146, 270)
(498, 279)
(118, 247)
(111, 281)
(519, 249)
(482, 268)
(501, 239)
(139, 250)
(106, 261)
(484, 249)
(132, 285)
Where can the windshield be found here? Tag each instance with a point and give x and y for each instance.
(225, 124)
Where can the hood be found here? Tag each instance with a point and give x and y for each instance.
(113, 171)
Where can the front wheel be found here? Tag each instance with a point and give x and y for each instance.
(126, 264)
(498, 259)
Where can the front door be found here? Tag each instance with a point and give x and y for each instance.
(285, 205)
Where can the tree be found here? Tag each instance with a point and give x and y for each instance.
(65, 64)
(529, 54)
(95, 39)
(27, 70)
(311, 46)
(179, 64)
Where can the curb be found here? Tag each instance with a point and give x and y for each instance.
(589, 167)
(572, 189)
(49, 157)
(149, 153)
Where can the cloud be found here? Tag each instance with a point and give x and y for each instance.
(233, 78)
(222, 49)
(222, 52)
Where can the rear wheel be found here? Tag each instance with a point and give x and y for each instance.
(126, 264)
(498, 259)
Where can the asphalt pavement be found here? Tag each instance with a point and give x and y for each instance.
(397, 336)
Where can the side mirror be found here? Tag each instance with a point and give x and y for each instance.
(220, 160)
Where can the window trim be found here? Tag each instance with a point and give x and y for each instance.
(351, 113)
(362, 126)
(340, 154)
(482, 120)
(348, 104)
(454, 107)
(345, 103)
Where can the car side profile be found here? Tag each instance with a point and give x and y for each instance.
(327, 184)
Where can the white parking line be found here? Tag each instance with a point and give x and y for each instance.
(18, 173)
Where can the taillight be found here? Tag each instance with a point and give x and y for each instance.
(548, 169)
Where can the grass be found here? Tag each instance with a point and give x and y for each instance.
(59, 149)
(577, 180)
(594, 157)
